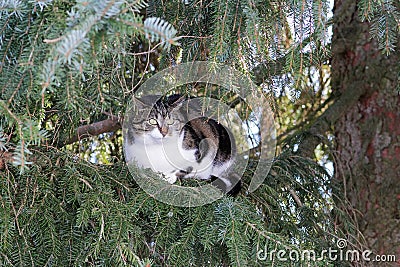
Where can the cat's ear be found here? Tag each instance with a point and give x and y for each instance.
(176, 100)
(139, 104)
(145, 102)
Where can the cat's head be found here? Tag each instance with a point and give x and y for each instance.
(158, 117)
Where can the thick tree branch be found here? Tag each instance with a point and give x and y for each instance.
(109, 125)
(323, 123)
(269, 69)
(264, 71)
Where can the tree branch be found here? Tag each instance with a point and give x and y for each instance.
(109, 125)
(323, 123)
(269, 69)
(275, 67)
(5, 157)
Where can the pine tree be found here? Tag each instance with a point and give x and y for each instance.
(68, 71)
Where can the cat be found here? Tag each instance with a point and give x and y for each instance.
(162, 136)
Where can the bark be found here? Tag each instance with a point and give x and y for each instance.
(368, 133)
(109, 125)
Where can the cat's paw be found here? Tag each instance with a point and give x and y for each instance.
(182, 173)
(170, 178)
(177, 174)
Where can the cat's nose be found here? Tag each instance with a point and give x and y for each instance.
(164, 130)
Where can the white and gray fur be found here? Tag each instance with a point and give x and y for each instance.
(160, 136)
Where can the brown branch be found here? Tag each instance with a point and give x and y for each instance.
(296, 198)
(311, 115)
(323, 123)
(109, 125)
(266, 70)
(5, 157)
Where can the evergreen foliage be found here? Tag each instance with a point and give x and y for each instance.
(65, 64)
(65, 211)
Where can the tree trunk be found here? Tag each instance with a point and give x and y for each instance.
(368, 136)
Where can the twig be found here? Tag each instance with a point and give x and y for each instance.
(296, 198)
(5, 157)
(49, 41)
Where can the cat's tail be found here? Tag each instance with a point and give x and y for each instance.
(231, 185)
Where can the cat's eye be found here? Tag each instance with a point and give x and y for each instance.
(170, 121)
(153, 121)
